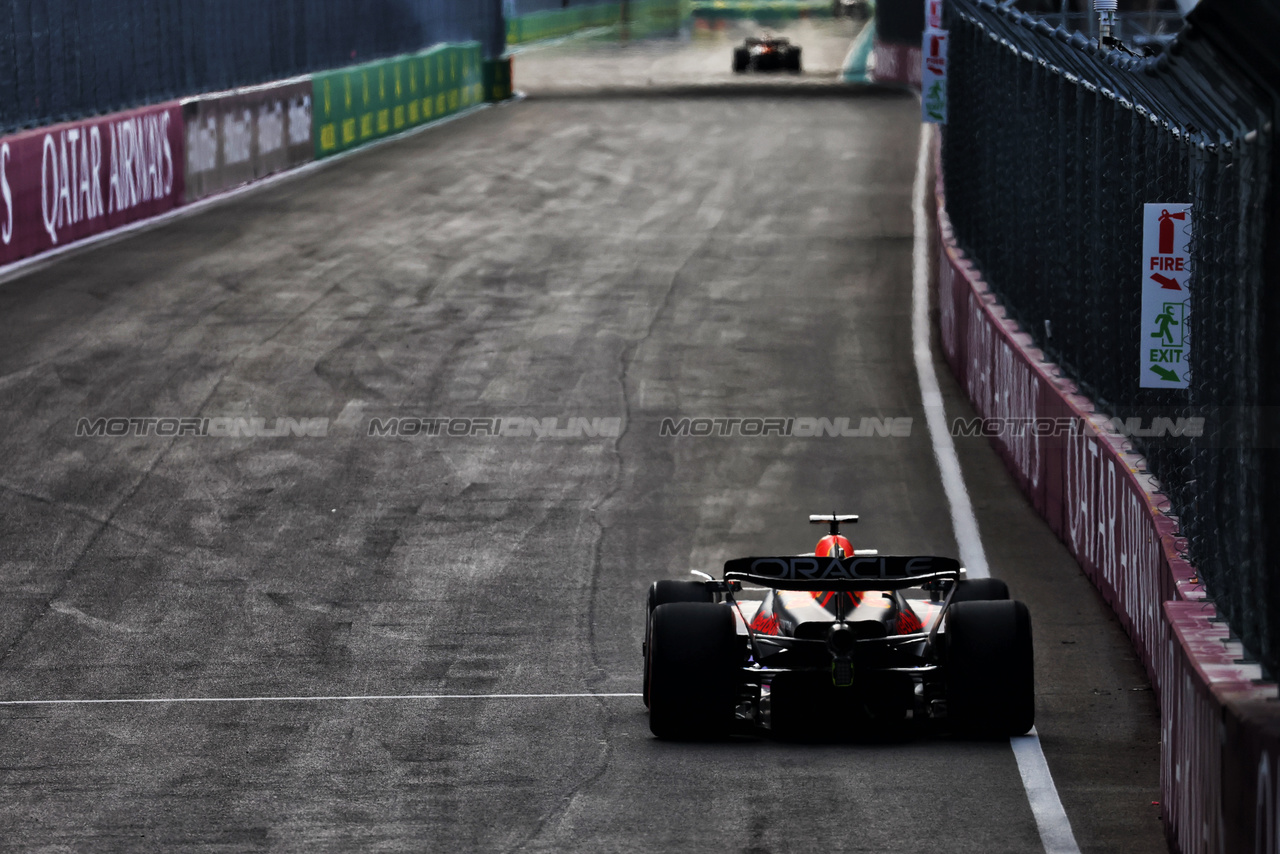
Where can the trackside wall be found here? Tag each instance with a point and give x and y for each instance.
(69, 182)
(1220, 728)
(634, 18)
(896, 50)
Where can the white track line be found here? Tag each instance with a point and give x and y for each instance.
(323, 699)
(1051, 819)
(1042, 794)
(963, 521)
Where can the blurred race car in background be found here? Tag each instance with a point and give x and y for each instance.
(851, 8)
(842, 641)
(766, 54)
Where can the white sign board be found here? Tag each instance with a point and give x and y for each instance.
(933, 14)
(933, 77)
(1165, 337)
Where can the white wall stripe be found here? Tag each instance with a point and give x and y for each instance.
(1042, 794)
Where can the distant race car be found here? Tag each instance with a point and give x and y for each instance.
(842, 639)
(851, 8)
(766, 54)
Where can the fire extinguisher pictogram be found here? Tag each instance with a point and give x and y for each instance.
(1166, 230)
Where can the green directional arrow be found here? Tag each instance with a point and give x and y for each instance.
(1165, 374)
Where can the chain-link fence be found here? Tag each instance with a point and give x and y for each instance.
(62, 59)
(1051, 151)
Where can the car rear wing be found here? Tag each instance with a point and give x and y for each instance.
(808, 572)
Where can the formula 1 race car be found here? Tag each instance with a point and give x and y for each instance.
(842, 640)
(766, 54)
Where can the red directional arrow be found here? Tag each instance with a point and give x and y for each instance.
(1166, 283)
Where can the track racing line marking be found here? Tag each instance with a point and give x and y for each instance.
(321, 699)
(1042, 794)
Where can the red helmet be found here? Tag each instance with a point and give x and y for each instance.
(828, 545)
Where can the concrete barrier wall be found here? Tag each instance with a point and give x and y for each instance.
(356, 105)
(557, 23)
(763, 11)
(1220, 727)
(234, 138)
(893, 62)
(640, 19)
(64, 183)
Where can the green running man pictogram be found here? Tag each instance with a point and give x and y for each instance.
(1165, 319)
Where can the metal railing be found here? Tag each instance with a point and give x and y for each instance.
(1051, 151)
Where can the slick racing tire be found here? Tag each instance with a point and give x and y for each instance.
(664, 593)
(990, 676)
(980, 590)
(694, 658)
(741, 59)
(792, 61)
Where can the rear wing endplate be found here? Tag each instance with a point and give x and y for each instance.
(808, 572)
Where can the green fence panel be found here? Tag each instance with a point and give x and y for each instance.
(327, 113)
(365, 102)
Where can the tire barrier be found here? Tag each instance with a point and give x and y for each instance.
(235, 138)
(64, 183)
(356, 105)
(1220, 726)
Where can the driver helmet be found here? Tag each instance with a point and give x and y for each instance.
(833, 545)
(828, 545)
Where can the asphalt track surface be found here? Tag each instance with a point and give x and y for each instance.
(722, 252)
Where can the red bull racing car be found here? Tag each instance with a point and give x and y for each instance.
(841, 639)
(766, 54)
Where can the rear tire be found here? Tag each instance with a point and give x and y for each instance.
(990, 674)
(664, 593)
(694, 658)
(740, 60)
(793, 60)
(980, 590)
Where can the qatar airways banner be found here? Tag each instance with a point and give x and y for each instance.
(1220, 724)
(1078, 475)
(64, 183)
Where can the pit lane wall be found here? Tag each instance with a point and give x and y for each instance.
(69, 182)
(1220, 729)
